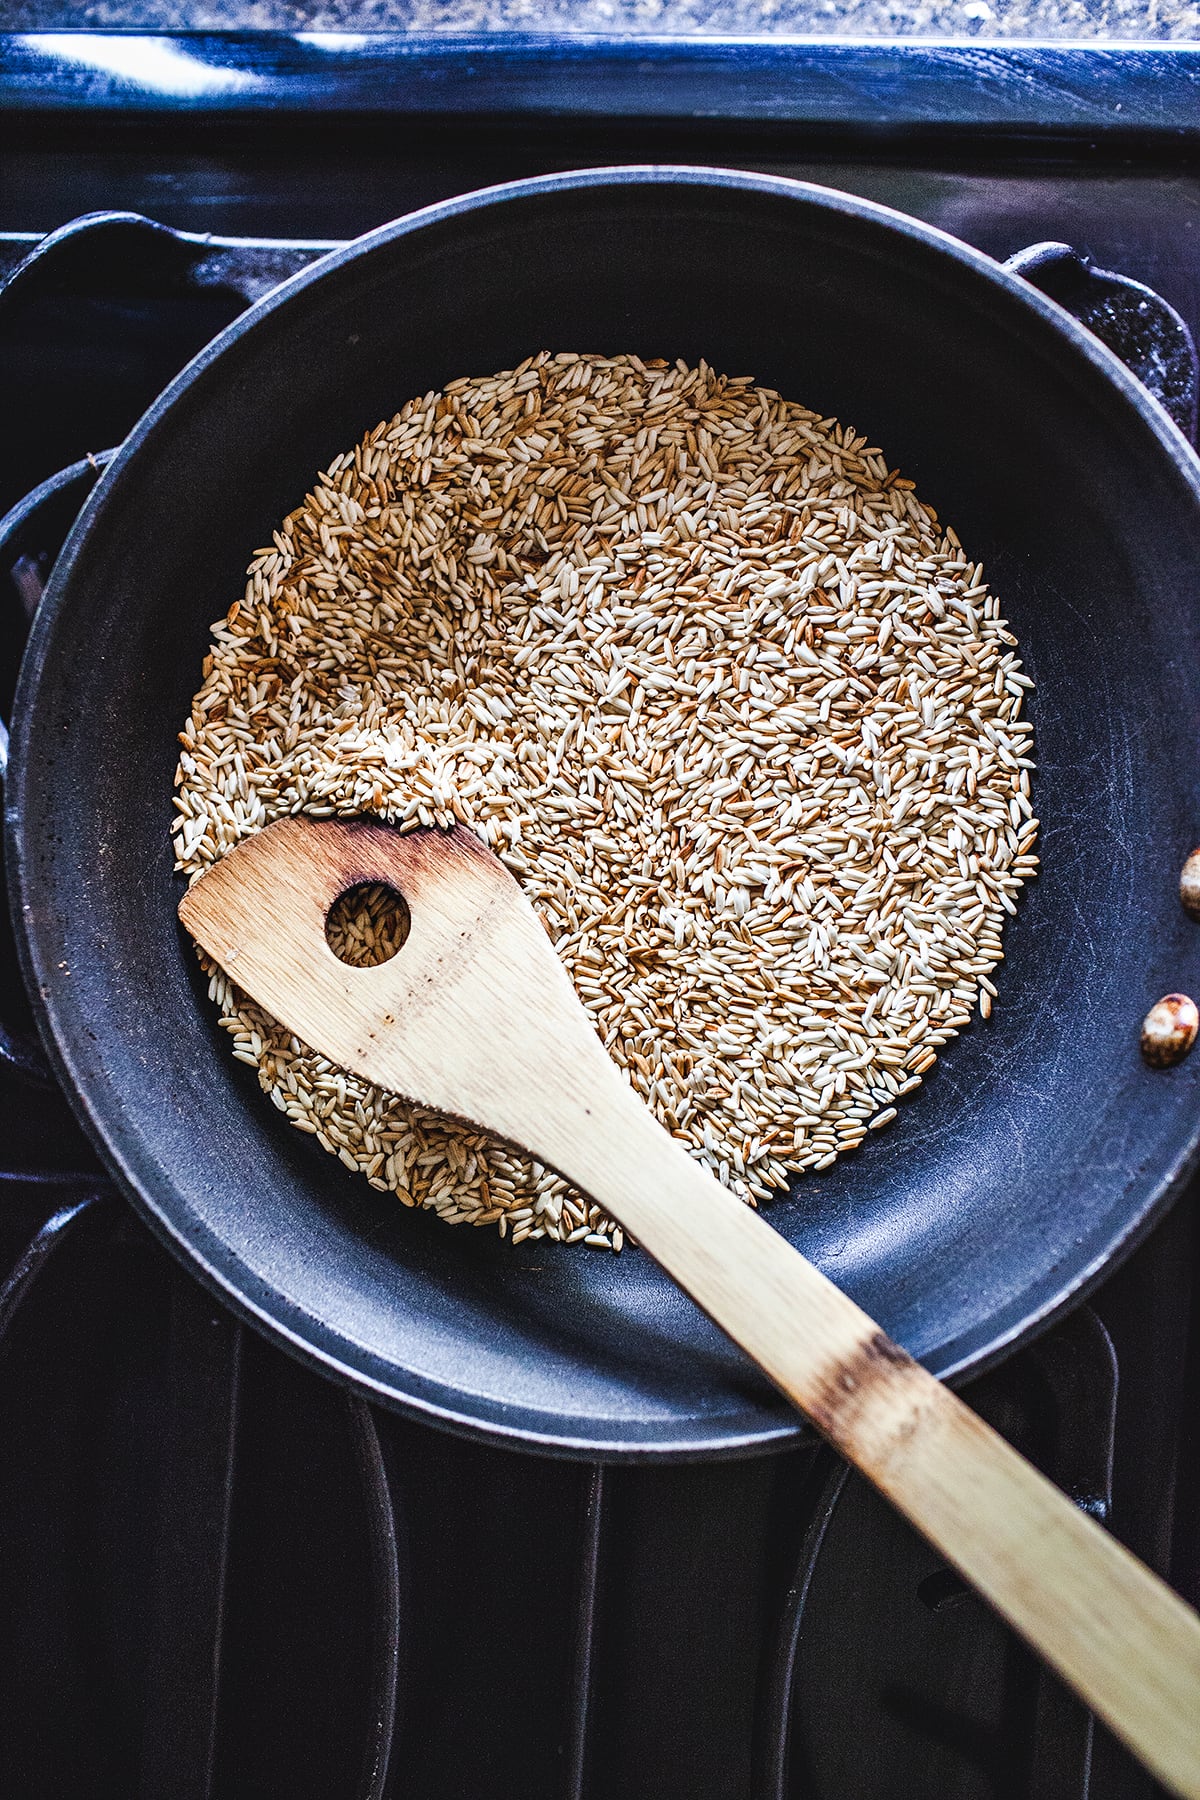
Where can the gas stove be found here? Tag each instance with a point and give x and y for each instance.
(224, 1576)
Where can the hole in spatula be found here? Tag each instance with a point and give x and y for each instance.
(367, 924)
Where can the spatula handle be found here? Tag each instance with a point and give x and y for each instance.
(476, 1018)
(1127, 1644)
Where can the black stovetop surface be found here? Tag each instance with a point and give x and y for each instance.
(224, 1577)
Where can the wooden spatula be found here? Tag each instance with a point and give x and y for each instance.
(475, 1017)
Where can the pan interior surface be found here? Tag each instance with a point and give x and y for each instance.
(1039, 1146)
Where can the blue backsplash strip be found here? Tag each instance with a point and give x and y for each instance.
(1072, 90)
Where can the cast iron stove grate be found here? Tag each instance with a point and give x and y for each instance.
(225, 1577)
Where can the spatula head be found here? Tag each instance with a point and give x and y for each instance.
(473, 1008)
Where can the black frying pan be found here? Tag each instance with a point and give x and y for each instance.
(1039, 1149)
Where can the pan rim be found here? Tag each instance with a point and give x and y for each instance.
(971, 1352)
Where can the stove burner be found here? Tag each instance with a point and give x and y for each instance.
(224, 1576)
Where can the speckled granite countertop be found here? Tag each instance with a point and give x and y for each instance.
(1147, 20)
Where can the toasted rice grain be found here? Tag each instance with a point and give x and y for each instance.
(712, 682)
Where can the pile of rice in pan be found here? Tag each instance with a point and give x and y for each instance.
(737, 710)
